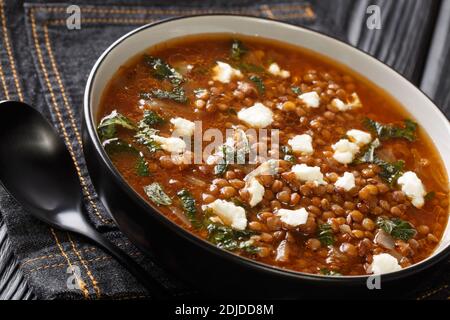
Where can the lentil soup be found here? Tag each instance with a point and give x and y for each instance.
(358, 187)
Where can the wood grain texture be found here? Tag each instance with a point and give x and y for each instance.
(12, 283)
(404, 37)
(436, 77)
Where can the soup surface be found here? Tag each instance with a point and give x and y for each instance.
(277, 154)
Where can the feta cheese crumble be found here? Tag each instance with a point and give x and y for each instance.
(311, 99)
(301, 144)
(305, 173)
(275, 69)
(256, 191)
(257, 116)
(354, 103)
(359, 137)
(172, 144)
(218, 154)
(345, 151)
(268, 168)
(346, 182)
(230, 214)
(182, 127)
(413, 187)
(384, 263)
(339, 104)
(294, 218)
(223, 72)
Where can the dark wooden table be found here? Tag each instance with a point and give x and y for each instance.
(414, 39)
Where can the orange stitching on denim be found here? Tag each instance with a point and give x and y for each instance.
(40, 57)
(278, 7)
(2, 75)
(115, 10)
(137, 11)
(295, 15)
(288, 7)
(79, 280)
(134, 11)
(69, 110)
(58, 113)
(132, 20)
(58, 22)
(40, 258)
(308, 10)
(433, 292)
(9, 51)
(88, 271)
(4, 85)
(57, 265)
(85, 250)
(50, 256)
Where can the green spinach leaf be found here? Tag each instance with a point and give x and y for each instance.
(227, 156)
(144, 137)
(368, 155)
(390, 171)
(156, 194)
(115, 145)
(388, 131)
(237, 50)
(397, 228)
(296, 90)
(259, 83)
(287, 154)
(250, 67)
(430, 196)
(242, 146)
(107, 127)
(230, 239)
(163, 71)
(325, 234)
(189, 207)
(142, 167)
(152, 119)
(177, 94)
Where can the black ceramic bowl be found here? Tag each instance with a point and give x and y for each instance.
(195, 260)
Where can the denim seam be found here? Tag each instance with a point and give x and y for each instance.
(80, 281)
(9, 53)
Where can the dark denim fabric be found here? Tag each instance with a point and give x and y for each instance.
(49, 69)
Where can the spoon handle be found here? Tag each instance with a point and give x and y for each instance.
(157, 290)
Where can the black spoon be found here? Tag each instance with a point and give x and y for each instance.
(37, 170)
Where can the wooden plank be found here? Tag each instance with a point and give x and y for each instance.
(404, 37)
(436, 80)
(12, 283)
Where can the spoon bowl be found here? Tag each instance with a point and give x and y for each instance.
(37, 170)
(35, 166)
